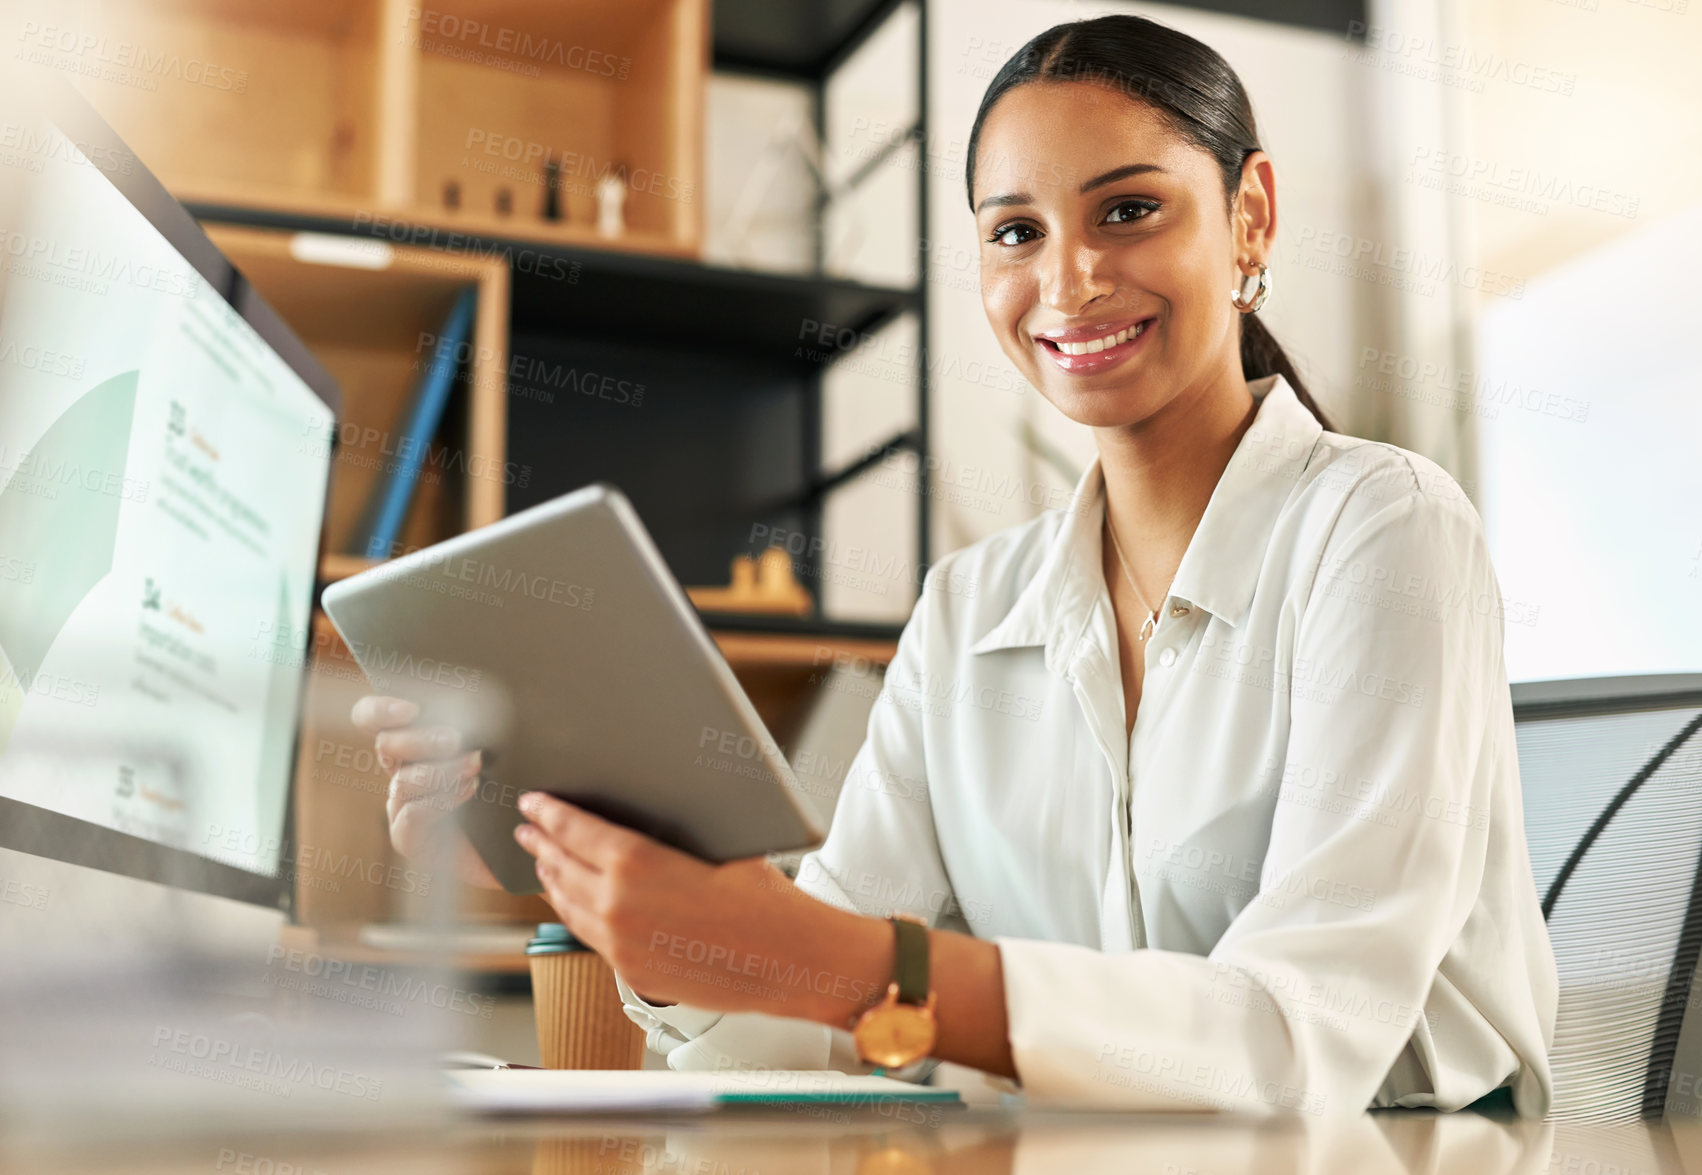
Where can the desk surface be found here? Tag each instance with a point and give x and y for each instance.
(908, 1140)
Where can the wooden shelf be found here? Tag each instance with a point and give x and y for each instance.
(353, 109)
(593, 85)
(777, 650)
(373, 329)
(572, 235)
(435, 228)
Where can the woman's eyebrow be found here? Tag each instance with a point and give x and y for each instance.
(1098, 181)
(1009, 200)
(1120, 173)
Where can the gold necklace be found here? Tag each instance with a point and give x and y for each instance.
(1152, 613)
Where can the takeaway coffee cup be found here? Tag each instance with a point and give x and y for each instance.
(581, 1024)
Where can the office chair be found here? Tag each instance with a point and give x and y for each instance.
(1612, 782)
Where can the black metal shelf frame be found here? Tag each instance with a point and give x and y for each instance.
(809, 41)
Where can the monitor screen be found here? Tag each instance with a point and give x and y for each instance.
(164, 456)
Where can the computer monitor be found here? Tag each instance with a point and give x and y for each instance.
(164, 467)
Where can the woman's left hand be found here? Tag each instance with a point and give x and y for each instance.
(738, 937)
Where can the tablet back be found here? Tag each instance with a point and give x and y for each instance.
(560, 642)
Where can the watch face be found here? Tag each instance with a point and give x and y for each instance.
(895, 1035)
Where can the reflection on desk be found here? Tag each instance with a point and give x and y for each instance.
(901, 1140)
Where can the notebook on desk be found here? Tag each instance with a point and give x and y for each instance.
(593, 1091)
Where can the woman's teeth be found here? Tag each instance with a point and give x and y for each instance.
(1096, 345)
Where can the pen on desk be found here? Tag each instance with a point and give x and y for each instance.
(464, 1060)
(502, 1065)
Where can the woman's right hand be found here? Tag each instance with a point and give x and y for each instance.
(432, 775)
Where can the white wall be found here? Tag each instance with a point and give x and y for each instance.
(870, 568)
(759, 195)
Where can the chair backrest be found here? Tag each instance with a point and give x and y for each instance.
(1612, 781)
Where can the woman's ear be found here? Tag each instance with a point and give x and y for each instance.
(1253, 217)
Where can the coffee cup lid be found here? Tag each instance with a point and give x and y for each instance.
(552, 938)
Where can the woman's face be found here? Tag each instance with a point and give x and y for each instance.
(1102, 228)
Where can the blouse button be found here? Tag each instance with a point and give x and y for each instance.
(1167, 658)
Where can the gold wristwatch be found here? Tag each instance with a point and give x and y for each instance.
(901, 1028)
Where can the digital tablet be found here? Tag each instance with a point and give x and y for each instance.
(558, 640)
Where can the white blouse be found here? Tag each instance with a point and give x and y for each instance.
(1301, 883)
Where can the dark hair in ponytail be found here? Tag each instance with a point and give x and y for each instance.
(1183, 80)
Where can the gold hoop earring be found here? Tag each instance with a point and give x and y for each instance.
(1251, 305)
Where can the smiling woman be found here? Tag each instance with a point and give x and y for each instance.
(1169, 837)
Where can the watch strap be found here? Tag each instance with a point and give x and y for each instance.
(910, 961)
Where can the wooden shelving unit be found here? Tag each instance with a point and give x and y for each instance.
(371, 321)
(355, 109)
